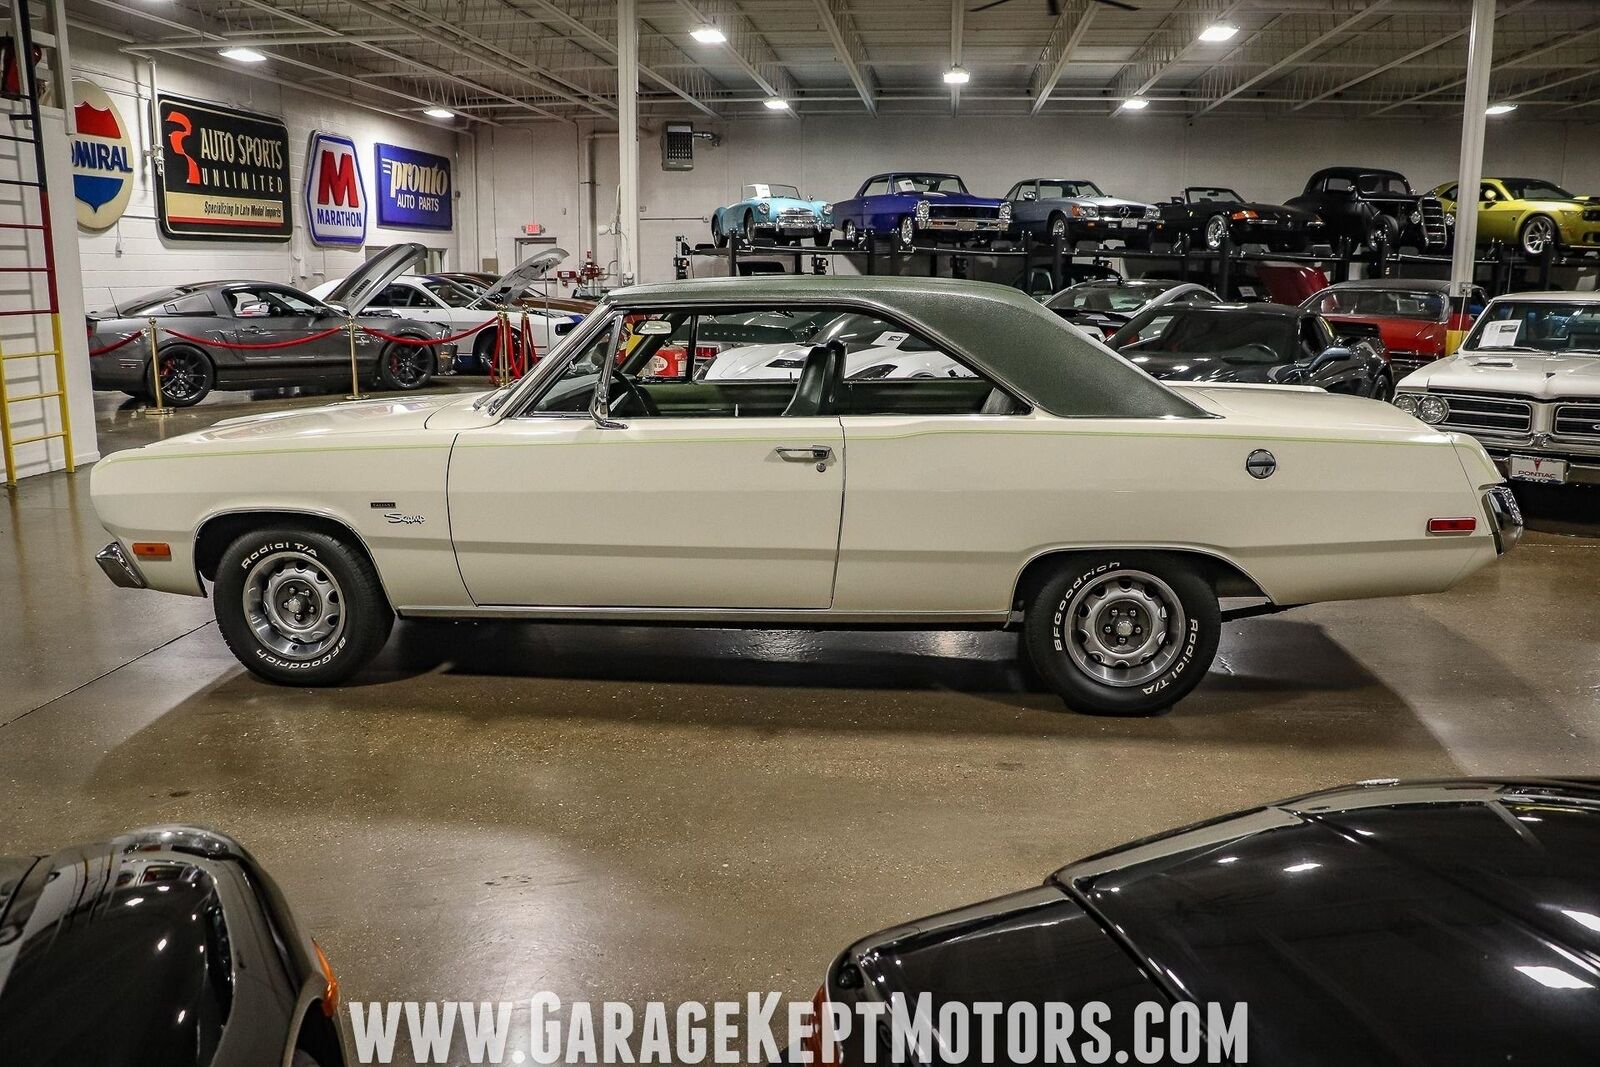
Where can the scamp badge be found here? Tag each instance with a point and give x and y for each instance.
(102, 157)
(336, 199)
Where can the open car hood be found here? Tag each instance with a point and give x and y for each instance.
(522, 275)
(367, 281)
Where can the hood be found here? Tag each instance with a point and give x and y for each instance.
(954, 199)
(1399, 335)
(387, 415)
(357, 291)
(1542, 376)
(1104, 202)
(1177, 367)
(523, 275)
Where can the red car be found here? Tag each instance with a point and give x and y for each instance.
(1412, 315)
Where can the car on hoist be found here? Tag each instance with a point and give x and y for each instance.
(1050, 487)
(1535, 216)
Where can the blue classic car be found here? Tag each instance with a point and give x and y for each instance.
(776, 211)
(915, 205)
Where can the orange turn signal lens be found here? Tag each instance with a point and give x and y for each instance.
(330, 987)
(152, 550)
(1453, 526)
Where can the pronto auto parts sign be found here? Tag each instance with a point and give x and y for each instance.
(414, 189)
(336, 200)
(224, 174)
(102, 157)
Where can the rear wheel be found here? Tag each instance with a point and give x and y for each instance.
(1123, 633)
(406, 367)
(300, 607)
(186, 376)
(718, 238)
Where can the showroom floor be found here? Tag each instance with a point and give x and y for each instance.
(638, 813)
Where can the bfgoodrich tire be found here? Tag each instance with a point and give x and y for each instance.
(299, 607)
(1124, 633)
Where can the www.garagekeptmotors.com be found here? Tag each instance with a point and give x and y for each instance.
(766, 1029)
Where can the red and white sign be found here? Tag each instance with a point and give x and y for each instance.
(336, 199)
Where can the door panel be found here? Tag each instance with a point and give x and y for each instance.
(665, 512)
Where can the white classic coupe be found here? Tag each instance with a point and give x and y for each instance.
(1526, 384)
(1051, 488)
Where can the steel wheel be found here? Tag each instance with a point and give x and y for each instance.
(1216, 227)
(294, 605)
(1124, 628)
(1538, 235)
(185, 377)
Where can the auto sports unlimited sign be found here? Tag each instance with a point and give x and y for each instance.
(102, 157)
(413, 189)
(225, 173)
(336, 200)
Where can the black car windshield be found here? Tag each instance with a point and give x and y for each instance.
(1123, 298)
(1212, 195)
(452, 294)
(1232, 335)
(1382, 185)
(1066, 190)
(1535, 189)
(1537, 326)
(927, 183)
(1386, 303)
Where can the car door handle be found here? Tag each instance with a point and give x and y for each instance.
(252, 329)
(809, 454)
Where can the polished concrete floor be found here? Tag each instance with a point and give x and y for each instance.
(640, 813)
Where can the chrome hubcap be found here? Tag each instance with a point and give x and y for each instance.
(1214, 230)
(1124, 628)
(294, 605)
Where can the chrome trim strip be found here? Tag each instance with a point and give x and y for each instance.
(1505, 517)
(751, 617)
(118, 567)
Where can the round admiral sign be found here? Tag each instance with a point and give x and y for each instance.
(102, 157)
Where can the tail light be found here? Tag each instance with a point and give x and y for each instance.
(1453, 527)
(818, 1047)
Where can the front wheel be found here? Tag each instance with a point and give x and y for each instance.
(907, 232)
(1537, 237)
(852, 236)
(1383, 388)
(1123, 633)
(299, 607)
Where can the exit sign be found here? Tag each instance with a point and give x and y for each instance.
(532, 229)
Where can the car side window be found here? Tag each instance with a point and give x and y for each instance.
(393, 296)
(261, 303)
(877, 187)
(1338, 185)
(195, 304)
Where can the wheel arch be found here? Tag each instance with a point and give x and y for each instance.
(318, 1036)
(1225, 576)
(217, 531)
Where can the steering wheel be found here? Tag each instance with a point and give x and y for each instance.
(635, 394)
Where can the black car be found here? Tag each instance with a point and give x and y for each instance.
(159, 947)
(1452, 922)
(1375, 209)
(1265, 344)
(1200, 215)
(1104, 306)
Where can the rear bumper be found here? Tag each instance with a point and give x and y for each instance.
(118, 567)
(1505, 518)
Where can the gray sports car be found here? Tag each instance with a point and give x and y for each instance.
(1078, 211)
(242, 334)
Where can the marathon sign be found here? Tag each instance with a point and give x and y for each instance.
(414, 189)
(336, 199)
(224, 173)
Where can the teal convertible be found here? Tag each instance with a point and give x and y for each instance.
(775, 211)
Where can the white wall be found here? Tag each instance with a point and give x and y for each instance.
(133, 257)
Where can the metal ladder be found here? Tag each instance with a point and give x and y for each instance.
(25, 91)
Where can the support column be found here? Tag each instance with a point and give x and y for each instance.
(1480, 53)
(628, 140)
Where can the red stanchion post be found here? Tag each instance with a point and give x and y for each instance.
(155, 374)
(355, 375)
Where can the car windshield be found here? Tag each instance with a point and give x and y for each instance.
(1385, 303)
(765, 192)
(1066, 190)
(450, 293)
(469, 286)
(1535, 189)
(1232, 335)
(1123, 298)
(1383, 185)
(1537, 326)
(1217, 195)
(927, 183)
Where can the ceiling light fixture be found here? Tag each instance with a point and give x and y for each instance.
(1218, 32)
(1499, 109)
(439, 113)
(1135, 103)
(957, 75)
(708, 35)
(242, 55)
(776, 103)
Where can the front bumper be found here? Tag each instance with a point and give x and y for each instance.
(1505, 518)
(118, 567)
(962, 225)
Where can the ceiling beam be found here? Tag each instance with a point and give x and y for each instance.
(1563, 40)
(1064, 37)
(841, 28)
(1272, 51)
(744, 44)
(1171, 40)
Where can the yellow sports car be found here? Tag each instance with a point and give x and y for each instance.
(1530, 214)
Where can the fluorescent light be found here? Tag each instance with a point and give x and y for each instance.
(1218, 32)
(1554, 978)
(957, 76)
(1136, 103)
(1499, 109)
(776, 103)
(242, 55)
(439, 113)
(1583, 918)
(708, 35)
(1300, 868)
